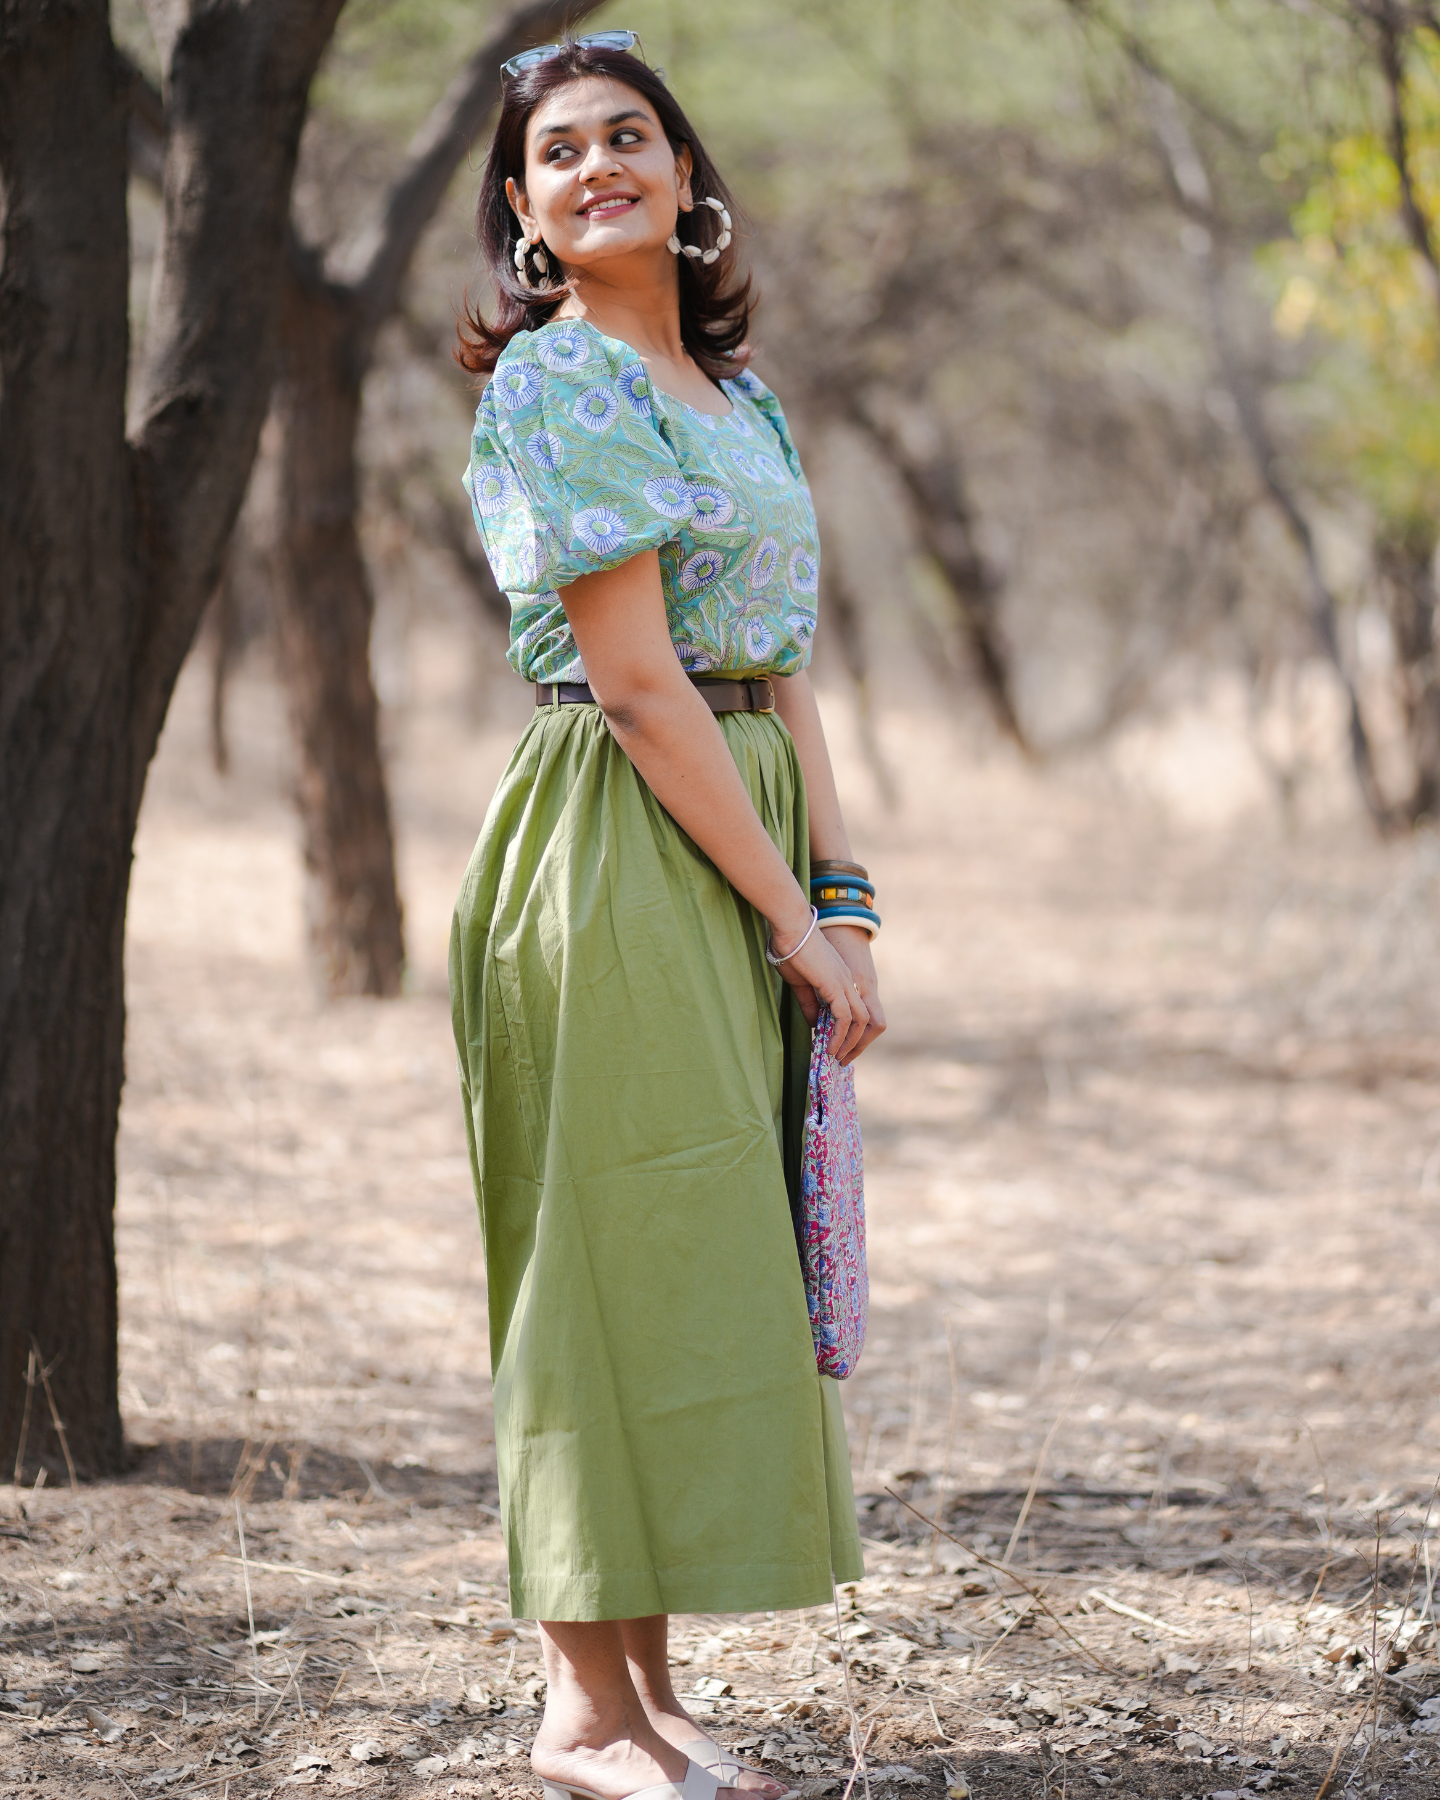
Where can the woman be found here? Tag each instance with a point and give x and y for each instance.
(634, 1072)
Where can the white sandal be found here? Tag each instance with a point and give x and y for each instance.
(708, 1754)
(699, 1784)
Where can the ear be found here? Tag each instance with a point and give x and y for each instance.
(684, 167)
(521, 207)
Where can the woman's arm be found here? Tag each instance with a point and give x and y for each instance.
(795, 703)
(668, 732)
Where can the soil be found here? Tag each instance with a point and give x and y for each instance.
(1146, 1432)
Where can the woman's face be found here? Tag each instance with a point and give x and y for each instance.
(601, 179)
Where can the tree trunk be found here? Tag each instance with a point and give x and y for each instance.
(1405, 559)
(68, 624)
(945, 525)
(324, 609)
(108, 551)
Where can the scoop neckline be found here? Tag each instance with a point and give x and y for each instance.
(663, 392)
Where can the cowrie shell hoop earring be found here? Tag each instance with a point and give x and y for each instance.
(675, 247)
(531, 245)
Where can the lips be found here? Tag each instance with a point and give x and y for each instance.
(607, 204)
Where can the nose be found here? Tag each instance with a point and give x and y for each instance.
(597, 162)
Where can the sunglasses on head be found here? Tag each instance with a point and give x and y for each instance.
(597, 40)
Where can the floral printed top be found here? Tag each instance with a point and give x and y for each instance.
(578, 464)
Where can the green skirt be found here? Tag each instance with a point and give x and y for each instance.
(634, 1081)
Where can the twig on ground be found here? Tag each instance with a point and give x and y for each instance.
(45, 1374)
(300, 1574)
(1009, 1575)
(249, 1606)
(25, 1416)
(949, 1441)
(1143, 1618)
(1014, 1625)
(286, 1689)
(857, 1748)
(333, 1692)
(1329, 1780)
(859, 1761)
(1329, 1531)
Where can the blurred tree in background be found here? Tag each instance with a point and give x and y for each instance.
(1359, 273)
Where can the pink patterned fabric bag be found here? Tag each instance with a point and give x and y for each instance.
(832, 1212)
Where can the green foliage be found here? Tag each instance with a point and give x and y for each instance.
(1351, 274)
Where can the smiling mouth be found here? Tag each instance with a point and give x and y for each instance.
(612, 203)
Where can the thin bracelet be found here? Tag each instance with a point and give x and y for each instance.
(775, 961)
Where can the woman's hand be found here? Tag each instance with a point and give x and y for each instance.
(853, 943)
(821, 975)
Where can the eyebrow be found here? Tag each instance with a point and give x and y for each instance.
(619, 118)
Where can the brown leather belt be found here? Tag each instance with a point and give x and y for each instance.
(757, 695)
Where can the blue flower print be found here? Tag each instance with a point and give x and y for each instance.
(748, 384)
(759, 638)
(743, 464)
(713, 505)
(494, 489)
(801, 627)
(767, 561)
(804, 570)
(769, 468)
(517, 384)
(597, 409)
(739, 424)
(562, 351)
(634, 384)
(530, 559)
(600, 528)
(702, 571)
(545, 450)
(670, 496)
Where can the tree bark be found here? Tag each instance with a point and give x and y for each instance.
(324, 608)
(68, 621)
(108, 551)
(1405, 561)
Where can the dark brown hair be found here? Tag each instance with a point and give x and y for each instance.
(714, 304)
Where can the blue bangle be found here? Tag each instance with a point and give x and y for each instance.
(848, 887)
(850, 915)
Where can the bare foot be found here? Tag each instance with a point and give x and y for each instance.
(581, 1754)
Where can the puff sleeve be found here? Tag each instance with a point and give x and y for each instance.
(569, 469)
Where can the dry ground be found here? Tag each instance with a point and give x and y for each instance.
(1153, 1148)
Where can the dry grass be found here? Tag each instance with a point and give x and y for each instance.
(1147, 1430)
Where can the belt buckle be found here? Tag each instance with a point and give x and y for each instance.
(762, 681)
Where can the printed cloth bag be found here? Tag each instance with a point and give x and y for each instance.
(832, 1212)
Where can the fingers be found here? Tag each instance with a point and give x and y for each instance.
(808, 1001)
(852, 1017)
(874, 1028)
(819, 976)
